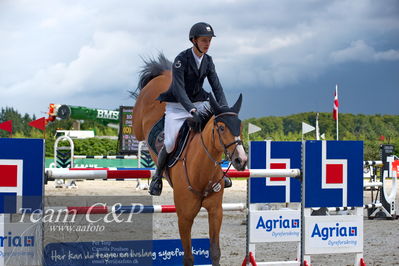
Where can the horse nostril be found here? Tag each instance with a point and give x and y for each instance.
(238, 161)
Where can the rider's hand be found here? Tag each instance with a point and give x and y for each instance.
(197, 121)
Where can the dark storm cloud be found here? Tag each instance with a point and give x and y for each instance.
(285, 56)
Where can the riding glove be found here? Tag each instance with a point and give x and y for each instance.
(197, 121)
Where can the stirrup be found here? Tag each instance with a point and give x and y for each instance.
(155, 186)
(227, 182)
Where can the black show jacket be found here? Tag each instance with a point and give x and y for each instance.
(187, 81)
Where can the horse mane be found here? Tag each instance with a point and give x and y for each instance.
(152, 68)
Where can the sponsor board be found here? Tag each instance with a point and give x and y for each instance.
(21, 186)
(20, 244)
(333, 234)
(140, 252)
(275, 226)
(97, 163)
(333, 174)
(21, 174)
(275, 155)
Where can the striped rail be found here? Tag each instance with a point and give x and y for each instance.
(134, 173)
(134, 208)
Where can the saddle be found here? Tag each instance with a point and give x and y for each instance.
(156, 138)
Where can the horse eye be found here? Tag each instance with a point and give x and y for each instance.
(221, 128)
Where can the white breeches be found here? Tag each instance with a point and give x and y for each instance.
(175, 115)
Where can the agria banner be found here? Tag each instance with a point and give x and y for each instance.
(333, 174)
(21, 186)
(333, 234)
(274, 226)
(333, 177)
(275, 155)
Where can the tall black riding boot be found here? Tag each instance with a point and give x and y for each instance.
(156, 182)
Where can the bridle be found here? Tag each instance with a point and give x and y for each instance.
(225, 146)
(215, 186)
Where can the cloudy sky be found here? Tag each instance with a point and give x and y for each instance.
(285, 56)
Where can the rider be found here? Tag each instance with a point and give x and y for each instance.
(186, 98)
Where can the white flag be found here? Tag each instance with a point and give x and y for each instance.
(323, 136)
(252, 128)
(307, 128)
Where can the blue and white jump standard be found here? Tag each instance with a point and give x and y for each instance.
(332, 178)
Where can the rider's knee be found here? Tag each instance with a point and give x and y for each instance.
(169, 145)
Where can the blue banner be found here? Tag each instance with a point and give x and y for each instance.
(275, 155)
(21, 174)
(140, 252)
(333, 174)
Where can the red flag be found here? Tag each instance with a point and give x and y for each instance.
(39, 123)
(336, 104)
(7, 126)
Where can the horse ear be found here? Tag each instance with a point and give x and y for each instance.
(214, 104)
(237, 106)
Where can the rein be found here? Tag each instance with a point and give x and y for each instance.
(216, 186)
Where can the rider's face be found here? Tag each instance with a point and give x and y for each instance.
(203, 43)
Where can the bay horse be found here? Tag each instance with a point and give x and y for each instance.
(197, 177)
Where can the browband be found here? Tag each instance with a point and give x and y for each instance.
(226, 113)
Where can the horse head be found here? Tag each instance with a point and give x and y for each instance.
(229, 132)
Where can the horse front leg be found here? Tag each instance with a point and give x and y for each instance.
(215, 217)
(187, 209)
(185, 225)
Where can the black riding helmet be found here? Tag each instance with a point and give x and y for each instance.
(200, 29)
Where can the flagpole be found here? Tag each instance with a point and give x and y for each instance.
(336, 92)
(317, 127)
(337, 124)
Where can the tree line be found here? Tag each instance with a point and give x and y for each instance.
(374, 130)
(95, 146)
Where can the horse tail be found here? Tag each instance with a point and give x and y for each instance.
(154, 78)
(152, 68)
